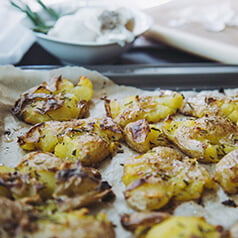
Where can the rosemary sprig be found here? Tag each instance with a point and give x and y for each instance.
(39, 23)
(49, 10)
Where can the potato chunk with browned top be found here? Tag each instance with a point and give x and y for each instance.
(57, 99)
(184, 227)
(69, 186)
(19, 219)
(208, 138)
(201, 106)
(152, 108)
(227, 172)
(87, 140)
(154, 178)
(163, 225)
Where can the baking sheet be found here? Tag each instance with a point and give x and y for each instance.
(170, 76)
(193, 37)
(14, 81)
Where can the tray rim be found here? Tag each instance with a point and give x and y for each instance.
(198, 76)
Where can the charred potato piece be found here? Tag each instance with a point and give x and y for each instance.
(154, 178)
(151, 108)
(142, 136)
(73, 223)
(80, 186)
(40, 161)
(200, 106)
(208, 138)
(140, 222)
(184, 227)
(89, 141)
(23, 220)
(16, 218)
(57, 99)
(70, 185)
(227, 172)
(18, 184)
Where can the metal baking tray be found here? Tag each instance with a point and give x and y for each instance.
(176, 77)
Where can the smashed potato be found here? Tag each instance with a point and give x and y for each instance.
(142, 136)
(139, 222)
(154, 178)
(151, 108)
(87, 140)
(57, 99)
(227, 172)
(163, 225)
(184, 227)
(69, 186)
(208, 138)
(24, 220)
(201, 106)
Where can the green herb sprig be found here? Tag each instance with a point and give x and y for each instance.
(39, 23)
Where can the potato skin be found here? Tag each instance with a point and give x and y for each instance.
(142, 136)
(227, 172)
(154, 178)
(207, 139)
(57, 99)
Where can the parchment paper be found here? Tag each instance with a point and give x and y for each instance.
(14, 81)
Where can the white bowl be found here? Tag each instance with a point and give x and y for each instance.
(92, 53)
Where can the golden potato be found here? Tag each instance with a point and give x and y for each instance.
(79, 186)
(227, 172)
(142, 136)
(87, 140)
(18, 219)
(70, 185)
(19, 185)
(151, 108)
(154, 178)
(183, 227)
(207, 139)
(57, 99)
(200, 106)
(73, 223)
(140, 222)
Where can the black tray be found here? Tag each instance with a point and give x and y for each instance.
(176, 77)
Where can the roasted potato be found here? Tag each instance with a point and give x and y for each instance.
(142, 136)
(75, 224)
(18, 220)
(40, 161)
(201, 106)
(207, 139)
(140, 222)
(57, 99)
(87, 140)
(227, 172)
(184, 227)
(234, 231)
(152, 108)
(154, 178)
(78, 186)
(70, 185)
